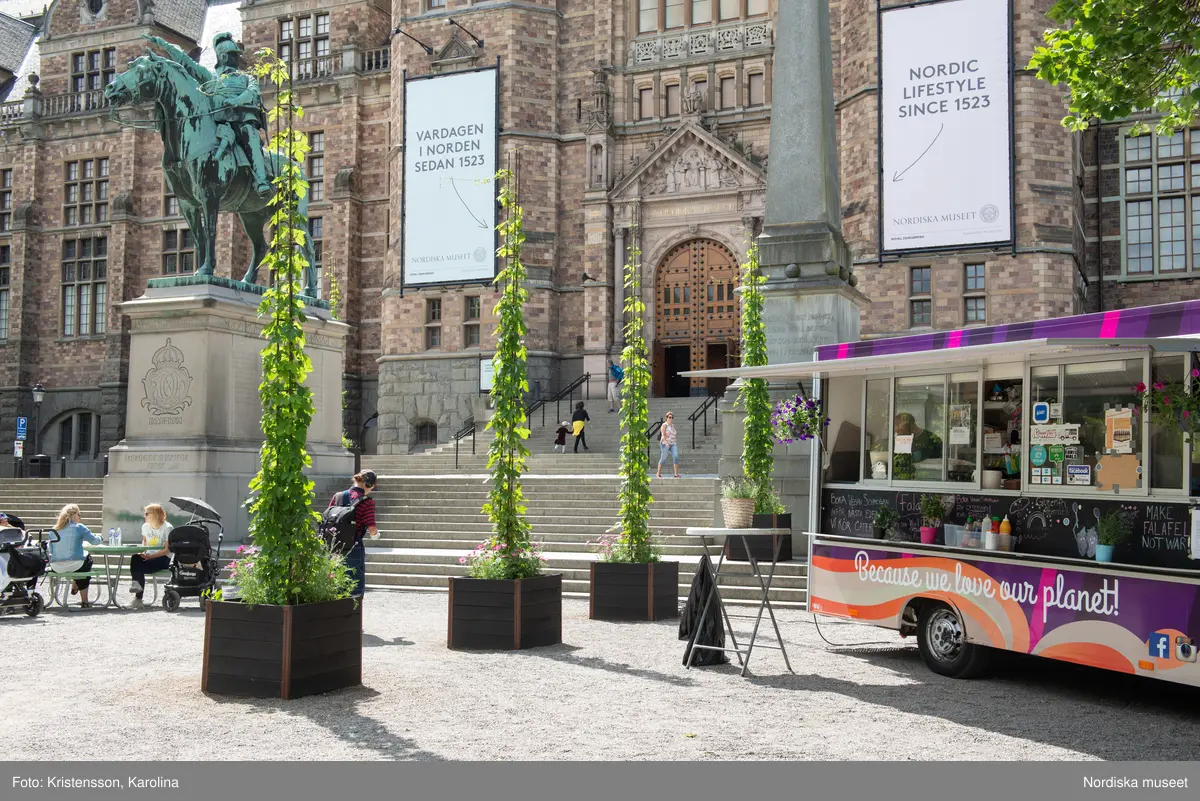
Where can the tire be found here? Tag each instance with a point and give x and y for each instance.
(941, 638)
(170, 600)
(35, 606)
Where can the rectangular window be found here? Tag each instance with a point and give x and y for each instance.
(91, 71)
(1196, 237)
(701, 12)
(756, 8)
(433, 310)
(976, 277)
(1172, 238)
(179, 252)
(285, 30)
(309, 40)
(976, 310)
(1170, 178)
(85, 192)
(84, 286)
(1139, 236)
(731, 9)
(1171, 146)
(920, 284)
(6, 200)
(437, 4)
(672, 100)
(1139, 180)
(647, 16)
(316, 232)
(1137, 148)
(433, 323)
(921, 421)
(878, 423)
(645, 104)
(1166, 446)
(83, 440)
(322, 24)
(728, 93)
(5, 281)
(757, 89)
(921, 313)
(674, 13)
(316, 166)
(171, 206)
(433, 337)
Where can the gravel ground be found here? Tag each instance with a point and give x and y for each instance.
(611, 691)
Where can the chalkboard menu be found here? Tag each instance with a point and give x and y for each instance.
(1063, 527)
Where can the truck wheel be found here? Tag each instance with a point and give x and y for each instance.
(941, 638)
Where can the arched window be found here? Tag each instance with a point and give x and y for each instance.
(74, 435)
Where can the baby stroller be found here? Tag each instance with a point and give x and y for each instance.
(194, 566)
(23, 563)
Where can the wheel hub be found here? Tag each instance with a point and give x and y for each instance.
(945, 635)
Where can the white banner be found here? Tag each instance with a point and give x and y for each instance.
(449, 163)
(946, 146)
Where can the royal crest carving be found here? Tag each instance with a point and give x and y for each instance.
(167, 382)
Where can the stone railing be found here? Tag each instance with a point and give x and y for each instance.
(701, 41)
(37, 105)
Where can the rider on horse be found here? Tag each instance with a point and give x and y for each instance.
(239, 108)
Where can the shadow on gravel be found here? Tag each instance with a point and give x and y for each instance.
(371, 641)
(566, 655)
(337, 712)
(1083, 709)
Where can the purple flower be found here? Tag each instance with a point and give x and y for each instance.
(1159, 385)
(1196, 373)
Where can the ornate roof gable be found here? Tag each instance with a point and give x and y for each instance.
(690, 161)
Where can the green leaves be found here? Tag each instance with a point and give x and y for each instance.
(293, 565)
(633, 540)
(509, 553)
(758, 449)
(1124, 57)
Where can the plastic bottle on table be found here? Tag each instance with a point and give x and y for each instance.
(118, 542)
(112, 535)
(991, 537)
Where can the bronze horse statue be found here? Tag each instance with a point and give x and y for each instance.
(205, 183)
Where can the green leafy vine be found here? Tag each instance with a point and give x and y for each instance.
(758, 454)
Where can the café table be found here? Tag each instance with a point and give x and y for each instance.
(111, 577)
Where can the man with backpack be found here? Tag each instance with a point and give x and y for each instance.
(615, 376)
(349, 517)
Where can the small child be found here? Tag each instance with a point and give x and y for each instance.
(560, 439)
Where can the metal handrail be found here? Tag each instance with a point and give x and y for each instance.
(654, 428)
(701, 413)
(462, 433)
(567, 392)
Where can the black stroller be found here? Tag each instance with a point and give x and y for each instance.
(194, 566)
(27, 562)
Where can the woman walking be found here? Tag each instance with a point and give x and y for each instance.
(666, 444)
(578, 421)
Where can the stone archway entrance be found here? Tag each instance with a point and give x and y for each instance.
(696, 317)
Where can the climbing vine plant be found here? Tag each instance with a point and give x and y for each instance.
(758, 457)
(508, 554)
(292, 565)
(633, 540)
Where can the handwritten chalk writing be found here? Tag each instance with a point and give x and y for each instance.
(1104, 601)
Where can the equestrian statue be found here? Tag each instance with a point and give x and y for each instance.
(213, 156)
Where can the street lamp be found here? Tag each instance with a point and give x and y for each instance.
(39, 395)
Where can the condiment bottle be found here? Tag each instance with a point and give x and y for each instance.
(990, 535)
(1006, 539)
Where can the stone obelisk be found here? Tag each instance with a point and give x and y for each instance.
(810, 294)
(810, 299)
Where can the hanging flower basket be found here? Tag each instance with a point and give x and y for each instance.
(1170, 404)
(798, 419)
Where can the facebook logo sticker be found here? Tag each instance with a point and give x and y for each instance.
(1160, 645)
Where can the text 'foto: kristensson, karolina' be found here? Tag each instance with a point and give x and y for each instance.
(77, 783)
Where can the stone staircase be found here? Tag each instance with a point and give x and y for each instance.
(428, 523)
(603, 437)
(37, 501)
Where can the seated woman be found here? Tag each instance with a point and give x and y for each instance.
(67, 554)
(154, 535)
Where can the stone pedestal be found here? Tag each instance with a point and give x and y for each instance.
(801, 315)
(192, 420)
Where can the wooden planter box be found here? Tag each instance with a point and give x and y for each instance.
(505, 614)
(773, 521)
(282, 651)
(761, 547)
(623, 591)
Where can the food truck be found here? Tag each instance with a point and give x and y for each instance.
(1043, 427)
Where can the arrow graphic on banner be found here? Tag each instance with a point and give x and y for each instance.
(454, 186)
(897, 177)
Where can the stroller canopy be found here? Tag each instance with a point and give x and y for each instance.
(196, 507)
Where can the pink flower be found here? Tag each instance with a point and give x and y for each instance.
(1185, 412)
(1141, 387)
(1166, 401)
(1159, 385)
(1196, 373)
(462, 560)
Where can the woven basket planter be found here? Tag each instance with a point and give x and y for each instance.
(739, 512)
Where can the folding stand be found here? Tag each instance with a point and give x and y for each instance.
(717, 536)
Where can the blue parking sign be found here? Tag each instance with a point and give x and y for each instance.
(22, 427)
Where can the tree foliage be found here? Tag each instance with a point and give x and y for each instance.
(509, 553)
(1120, 57)
(758, 449)
(291, 556)
(633, 541)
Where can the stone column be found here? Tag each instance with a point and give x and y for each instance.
(618, 291)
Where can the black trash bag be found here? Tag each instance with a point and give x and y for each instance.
(711, 631)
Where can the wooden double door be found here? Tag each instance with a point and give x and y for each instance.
(697, 318)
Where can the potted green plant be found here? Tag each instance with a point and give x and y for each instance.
(737, 502)
(295, 630)
(1112, 529)
(769, 511)
(630, 581)
(884, 523)
(933, 512)
(505, 601)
